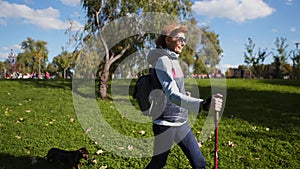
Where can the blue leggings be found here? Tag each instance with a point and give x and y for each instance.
(183, 136)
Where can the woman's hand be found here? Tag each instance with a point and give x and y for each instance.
(216, 100)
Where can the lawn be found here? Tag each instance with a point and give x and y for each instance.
(258, 129)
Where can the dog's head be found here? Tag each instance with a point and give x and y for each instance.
(84, 153)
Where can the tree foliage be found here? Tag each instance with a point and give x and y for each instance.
(253, 59)
(280, 57)
(101, 13)
(64, 62)
(34, 57)
(295, 57)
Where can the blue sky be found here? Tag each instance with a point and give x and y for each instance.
(233, 20)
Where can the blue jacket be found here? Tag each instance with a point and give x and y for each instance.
(171, 77)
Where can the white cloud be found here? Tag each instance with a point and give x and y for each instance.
(289, 2)
(274, 30)
(236, 10)
(15, 47)
(45, 18)
(293, 29)
(3, 56)
(71, 2)
(7, 49)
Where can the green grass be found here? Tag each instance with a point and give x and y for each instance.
(261, 119)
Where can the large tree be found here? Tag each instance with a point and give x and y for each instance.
(64, 61)
(295, 57)
(208, 52)
(280, 57)
(35, 52)
(253, 59)
(101, 13)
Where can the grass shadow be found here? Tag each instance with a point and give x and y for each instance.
(269, 109)
(283, 82)
(8, 161)
(45, 83)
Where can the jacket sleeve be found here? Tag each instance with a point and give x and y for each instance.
(163, 69)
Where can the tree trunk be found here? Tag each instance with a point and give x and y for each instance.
(103, 85)
(39, 69)
(65, 74)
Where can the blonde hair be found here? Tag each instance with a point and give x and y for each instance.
(169, 31)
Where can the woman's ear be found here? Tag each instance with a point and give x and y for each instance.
(168, 40)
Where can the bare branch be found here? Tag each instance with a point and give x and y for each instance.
(120, 54)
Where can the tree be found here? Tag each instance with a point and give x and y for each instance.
(213, 45)
(253, 59)
(199, 65)
(208, 51)
(64, 61)
(280, 56)
(2, 67)
(35, 54)
(52, 69)
(295, 57)
(100, 13)
(25, 61)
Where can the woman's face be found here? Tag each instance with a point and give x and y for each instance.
(176, 43)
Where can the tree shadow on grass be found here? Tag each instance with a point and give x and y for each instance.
(283, 82)
(274, 110)
(8, 161)
(45, 83)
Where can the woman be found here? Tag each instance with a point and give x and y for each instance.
(171, 124)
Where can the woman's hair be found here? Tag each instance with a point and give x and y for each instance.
(169, 31)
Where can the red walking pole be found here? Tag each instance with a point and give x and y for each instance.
(216, 140)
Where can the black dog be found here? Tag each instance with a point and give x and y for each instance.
(68, 159)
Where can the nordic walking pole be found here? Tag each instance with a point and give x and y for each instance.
(216, 140)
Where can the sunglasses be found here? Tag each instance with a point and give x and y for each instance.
(180, 39)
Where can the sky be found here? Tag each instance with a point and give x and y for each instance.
(233, 20)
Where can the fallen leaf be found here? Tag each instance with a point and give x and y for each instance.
(99, 152)
(200, 144)
(103, 167)
(94, 161)
(87, 130)
(230, 144)
(142, 132)
(130, 147)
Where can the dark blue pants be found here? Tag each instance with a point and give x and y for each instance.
(183, 136)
